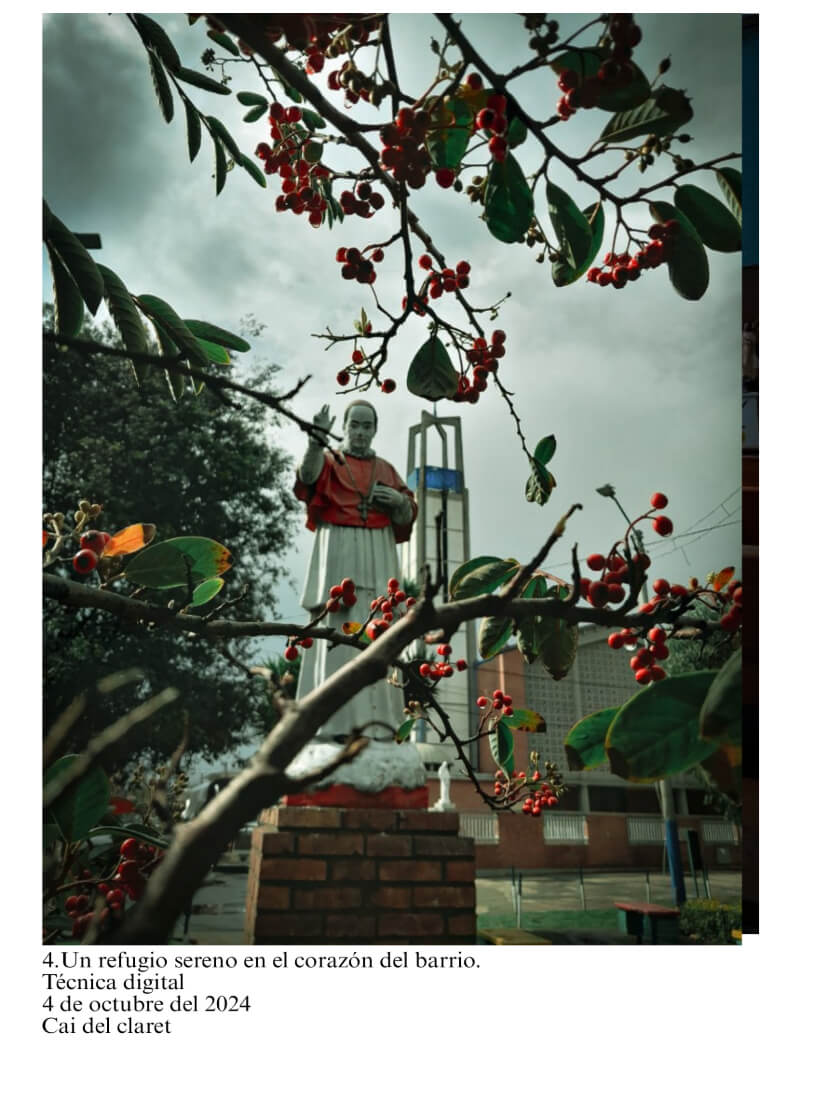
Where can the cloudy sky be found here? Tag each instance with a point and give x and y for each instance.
(640, 388)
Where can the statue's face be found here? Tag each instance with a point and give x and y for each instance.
(359, 430)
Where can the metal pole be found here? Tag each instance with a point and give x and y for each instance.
(519, 899)
(648, 888)
(673, 844)
(582, 887)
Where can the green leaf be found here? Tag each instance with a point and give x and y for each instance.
(540, 483)
(432, 374)
(175, 328)
(485, 578)
(176, 380)
(623, 97)
(544, 451)
(573, 232)
(716, 226)
(146, 836)
(255, 113)
(83, 804)
(206, 591)
(501, 741)
(155, 37)
(493, 636)
(655, 733)
(221, 133)
(217, 335)
(524, 719)
(729, 180)
(509, 203)
(252, 169)
(517, 132)
(562, 272)
(163, 91)
(312, 121)
(199, 80)
(688, 264)
(722, 709)
(220, 166)
(446, 145)
(214, 352)
(225, 41)
(193, 130)
(585, 62)
(557, 646)
(404, 731)
(535, 588)
(313, 151)
(585, 742)
(466, 568)
(68, 300)
(251, 99)
(176, 562)
(664, 113)
(126, 318)
(79, 263)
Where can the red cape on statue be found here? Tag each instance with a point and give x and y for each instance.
(334, 497)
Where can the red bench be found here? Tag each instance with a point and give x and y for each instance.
(648, 923)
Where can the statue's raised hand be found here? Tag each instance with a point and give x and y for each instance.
(323, 419)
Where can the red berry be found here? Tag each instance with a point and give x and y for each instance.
(482, 702)
(497, 103)
(388, 386)
(291, 653)
(473, 81)
(445, 177)
(130, 847)
(508, 711)
(568, 80)
(595, 561)
(405, 118)
(617, 593)
(84, 561)
(424, 670)
(662, 525)
(598, 593)
(616, 641)
(94, 541)
(335, 591)
(425, 262)
(357, 356)
(498, 147)
(657, 672)
(643, 675)
(307, 643)
(657, 634)
(497, 336)
(661, 586)
(342, 378)
(462, 664)
(115, 897)
(658, 500)
(498, 693)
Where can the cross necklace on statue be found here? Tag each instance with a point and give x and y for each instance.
(363, 507)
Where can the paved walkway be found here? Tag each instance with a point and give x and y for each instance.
(218, 907)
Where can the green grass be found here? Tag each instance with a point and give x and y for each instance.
(561, 920)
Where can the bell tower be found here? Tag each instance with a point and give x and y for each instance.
(441, 540)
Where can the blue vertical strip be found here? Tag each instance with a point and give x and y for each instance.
(673, 854)
(749, 127)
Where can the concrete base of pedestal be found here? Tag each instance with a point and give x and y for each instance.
(325, 875)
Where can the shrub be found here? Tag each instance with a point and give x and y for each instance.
(706, 920)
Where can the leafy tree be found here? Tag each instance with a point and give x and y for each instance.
(200, 466)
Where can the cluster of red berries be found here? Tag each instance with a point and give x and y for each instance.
(644, 661)
(357, 266)
(498, 701)
(288, 156)
(483, 358)
(449, 280)
(734, 594)
(493, 121)
(542, 799)
(129, 881)
(403, 147)
(585, 91)
(92, 544)
(386, 606)
(615, 572)
(624, 268)
(437, 670)
(362, 201)
(291, 653)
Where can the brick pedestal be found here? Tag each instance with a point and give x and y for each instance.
(322, 875)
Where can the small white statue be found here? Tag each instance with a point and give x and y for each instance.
(444, 803)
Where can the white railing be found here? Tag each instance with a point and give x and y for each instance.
(563, 828)
(484, 828)
(719, 832)
(645, 830)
